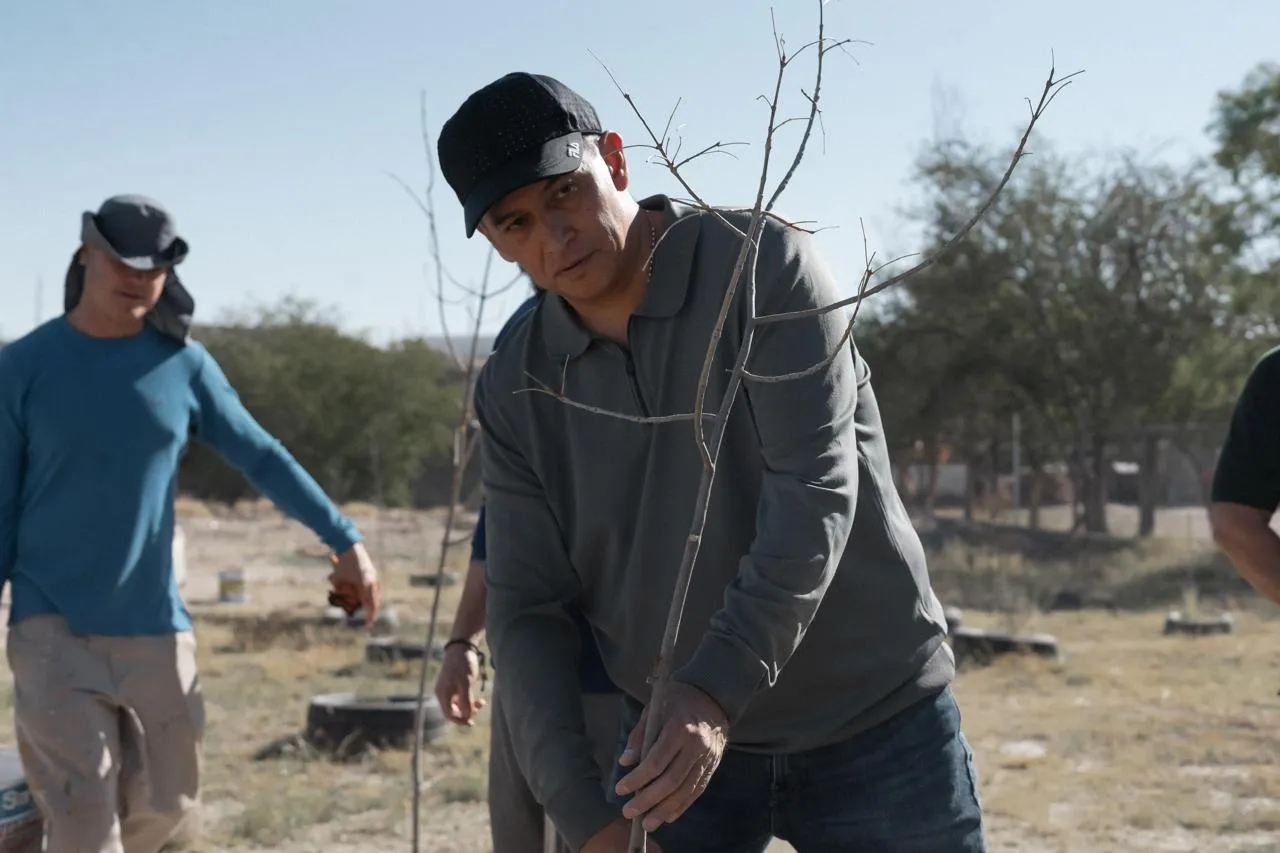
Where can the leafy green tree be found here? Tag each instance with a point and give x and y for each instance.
(363, 420)
(1246, 129)
(1075, 301)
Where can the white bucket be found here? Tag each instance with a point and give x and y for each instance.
(179, 556)
(231, 587)
(21, 828)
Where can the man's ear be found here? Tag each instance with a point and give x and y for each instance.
(615, 159)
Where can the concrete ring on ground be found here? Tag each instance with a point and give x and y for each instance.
(345, 723)
(982, 647)
(445, 579)
(1177, 623)
(389, 649)
(386, 620)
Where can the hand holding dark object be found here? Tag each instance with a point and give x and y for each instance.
(348, 599)
(681, 761)
(355, 583)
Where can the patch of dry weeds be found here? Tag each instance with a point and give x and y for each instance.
(1131, 741)
(258, 677)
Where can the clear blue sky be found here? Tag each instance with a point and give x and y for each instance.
(269, 127)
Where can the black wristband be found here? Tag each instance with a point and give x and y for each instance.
(458, 641)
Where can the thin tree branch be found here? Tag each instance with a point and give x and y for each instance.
(426, 206)
(713, 148)
(465, 442)
(1052, 87)
(844, 338)
(544, 388)
(662, 148)
(813, 111)
(747, 258)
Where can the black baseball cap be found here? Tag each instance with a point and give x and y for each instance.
(519, 129)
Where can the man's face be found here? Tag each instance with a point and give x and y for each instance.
(116, 291)
(567, 233)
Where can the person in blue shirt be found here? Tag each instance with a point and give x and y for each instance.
(96, 409)
(517, 822)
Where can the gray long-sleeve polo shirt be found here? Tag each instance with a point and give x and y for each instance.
(810, 615)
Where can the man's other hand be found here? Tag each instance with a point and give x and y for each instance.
(355, 581)
(456, 685)
(682, 760)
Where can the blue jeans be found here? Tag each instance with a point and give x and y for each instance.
(905, 786)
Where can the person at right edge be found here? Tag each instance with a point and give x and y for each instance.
(1246, 482)
(811, 695)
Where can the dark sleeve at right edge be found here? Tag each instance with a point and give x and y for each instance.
(1248, 470)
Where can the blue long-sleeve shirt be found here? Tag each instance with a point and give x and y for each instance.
(91, 433)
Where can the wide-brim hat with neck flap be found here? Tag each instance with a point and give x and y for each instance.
(140, 233)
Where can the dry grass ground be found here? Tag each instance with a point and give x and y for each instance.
(1132, 741)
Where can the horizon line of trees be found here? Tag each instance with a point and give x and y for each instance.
(1099, 295)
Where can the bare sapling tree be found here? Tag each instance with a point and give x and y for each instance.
(466, 434)
(743, 280)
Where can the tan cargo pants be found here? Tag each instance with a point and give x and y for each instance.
(516, 820)
(110, 731)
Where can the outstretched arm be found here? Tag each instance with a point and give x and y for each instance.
(226, 425)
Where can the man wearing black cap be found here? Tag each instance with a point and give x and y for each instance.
(811, 693)
(96, 408)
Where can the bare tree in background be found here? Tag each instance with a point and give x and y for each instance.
(743, 279)
(466, 435)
